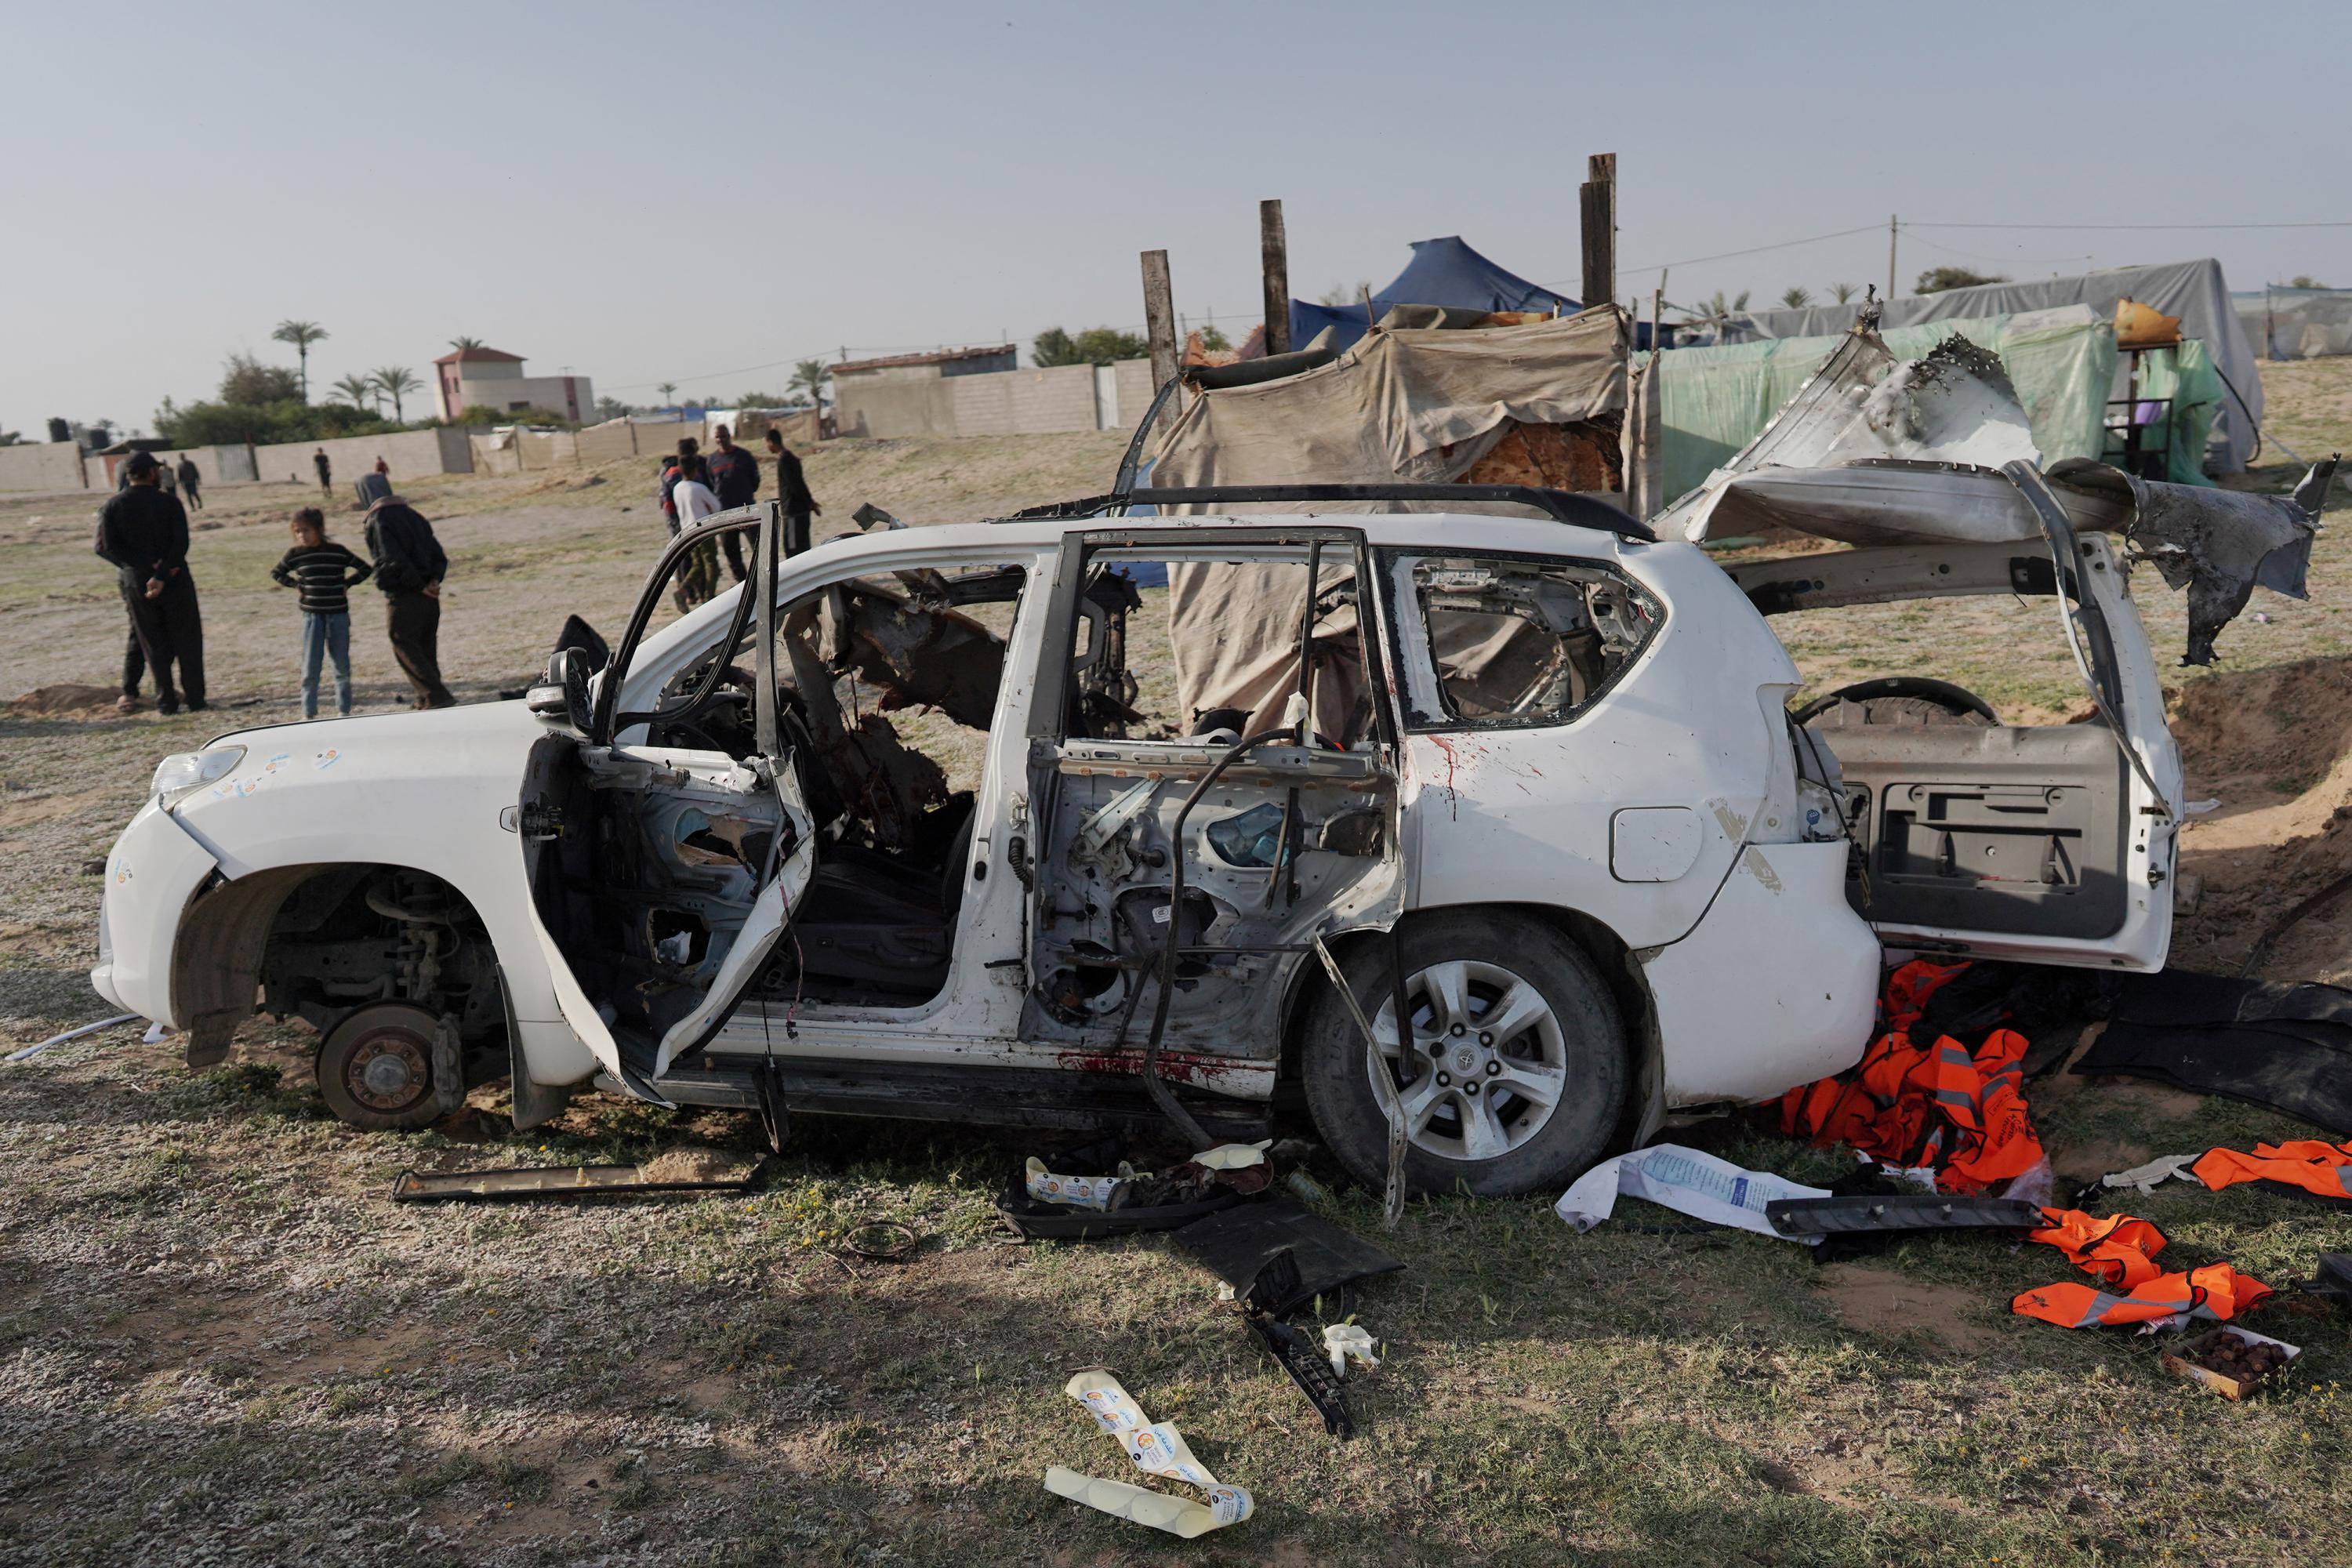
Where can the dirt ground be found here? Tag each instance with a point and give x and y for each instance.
(221, 1341)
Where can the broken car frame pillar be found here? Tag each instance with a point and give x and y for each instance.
(1273, 267)
(1159, 319)
(1599, 211)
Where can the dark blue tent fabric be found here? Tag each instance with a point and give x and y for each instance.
(1442, 272)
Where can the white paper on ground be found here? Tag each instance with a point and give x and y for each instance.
(1232, 1156)
(1158, 1449)
(1685, 1179)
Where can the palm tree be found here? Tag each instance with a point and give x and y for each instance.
(397, 380)
(1796, 296)
(808, 377)
(669, 389)
(302, 334)
(462, 344)
(1842, 292)
(358, 391)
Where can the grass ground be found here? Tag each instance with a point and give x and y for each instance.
(219, 1341)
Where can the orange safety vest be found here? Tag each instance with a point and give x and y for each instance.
(2119, 1249)
(2306, 1163)
(1943, 1106)
(2216, 1291)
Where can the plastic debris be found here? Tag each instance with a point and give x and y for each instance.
(1076, 1191)
(1158, 1449)
(35, 1050)
(1346, 1343)
(1685, 1179)
(2144, 1178)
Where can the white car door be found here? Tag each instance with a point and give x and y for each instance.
(663, 874)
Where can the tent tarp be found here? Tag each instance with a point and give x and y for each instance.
(2193, 290)
(1417, 406)
(1714, 401)
(2284, 323)
(1442, 272)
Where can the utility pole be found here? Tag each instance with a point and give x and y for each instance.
(1159, 319)
(1274, 266)
(1599, 213)
(1891, 228)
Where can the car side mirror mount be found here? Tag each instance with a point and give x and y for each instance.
(563, 692)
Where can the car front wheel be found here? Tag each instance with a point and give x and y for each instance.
(1515, 1073)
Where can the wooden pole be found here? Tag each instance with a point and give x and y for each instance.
(1159, 318)
(1891, 229)
(1598, 212)
(1274, 266)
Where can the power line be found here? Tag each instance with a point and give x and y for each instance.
(1979, 256)
(1753, 251)
(1908, 223)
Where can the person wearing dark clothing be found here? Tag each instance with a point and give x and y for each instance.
(322, 572)
(792, 489)
(733, 474)
(326, 469)
(409, 564)
(189, 481)
(144, 534)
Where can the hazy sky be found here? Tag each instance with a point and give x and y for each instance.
(650, 194)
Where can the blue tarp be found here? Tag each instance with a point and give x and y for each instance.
(1442, 272)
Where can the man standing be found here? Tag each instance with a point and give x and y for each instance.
(697, 573)
(190, 479)
(735, 480)
(409, 566)
(144, 534)
(326, 469)
(792, 489)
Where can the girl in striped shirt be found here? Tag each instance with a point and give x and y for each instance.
(322, 572)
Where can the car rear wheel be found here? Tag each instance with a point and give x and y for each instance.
(1515, 1074)
(376, 1069)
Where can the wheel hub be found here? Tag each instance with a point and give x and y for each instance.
(1487, 1066)
(387, 1071)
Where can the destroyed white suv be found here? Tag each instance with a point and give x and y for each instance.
(1546, 763)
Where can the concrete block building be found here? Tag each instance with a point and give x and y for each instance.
(492, 378)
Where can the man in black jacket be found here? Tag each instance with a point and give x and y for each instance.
(792, 489)
(409, 564)
(733, 474)
(144, 534)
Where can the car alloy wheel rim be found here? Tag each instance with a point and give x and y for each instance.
(1488, 1063)
(387, 1071)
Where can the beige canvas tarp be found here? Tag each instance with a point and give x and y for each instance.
(1419, 406)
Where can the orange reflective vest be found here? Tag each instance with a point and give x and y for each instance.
(2119, 1249)
(2306, 1163)
(1962, 1112)
(2216, 1291)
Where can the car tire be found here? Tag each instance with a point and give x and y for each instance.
(375, 1068)
(1477, 957)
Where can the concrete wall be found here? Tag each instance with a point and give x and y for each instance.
(409, 453)
(910, 401)
(1024, 402)
(41, 466)
(882, 404)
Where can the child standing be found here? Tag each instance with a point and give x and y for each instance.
(322, 572)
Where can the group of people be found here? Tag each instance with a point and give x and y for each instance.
(143, 532)
(693, 486)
